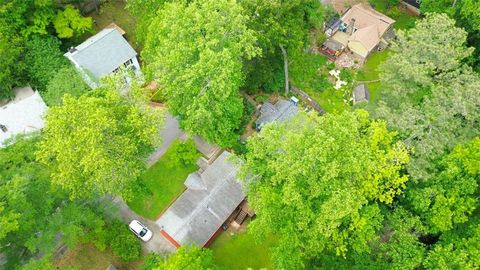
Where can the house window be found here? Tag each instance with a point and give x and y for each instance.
(128, 63)
(3, 128)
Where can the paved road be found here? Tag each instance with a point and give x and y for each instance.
(170, 132)
(158, 243)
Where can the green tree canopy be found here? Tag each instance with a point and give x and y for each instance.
(67, 80)
(69, 23)
(96, 144)
(189, 258)
(319, 183)
(429, 95)
(195, 51)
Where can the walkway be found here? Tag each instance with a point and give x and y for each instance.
(170, 132)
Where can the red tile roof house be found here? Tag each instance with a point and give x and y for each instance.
(200, 211)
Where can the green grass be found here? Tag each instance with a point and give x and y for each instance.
(403, 20)
(115, 11)
(165, 182)
(240, 251)
(309, 72)
(87, 257)
(370, 71)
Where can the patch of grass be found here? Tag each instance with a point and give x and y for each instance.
(240, 251)
(309, 72)
(115, 11)
(370, 71)
(87, 257)
(403, 20)
(164, 181)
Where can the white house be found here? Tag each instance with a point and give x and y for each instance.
(103, 54)
(22, 115)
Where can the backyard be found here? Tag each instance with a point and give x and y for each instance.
(370, 72)
(240, 251)
(115, 11)
(163, 182)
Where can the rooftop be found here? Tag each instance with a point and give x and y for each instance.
(102, 53)
(210, 198)
(282, 110)
(22, 115)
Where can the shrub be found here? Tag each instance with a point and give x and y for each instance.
(184, 154)
(123, 243)
(152, 260)
(66, 81)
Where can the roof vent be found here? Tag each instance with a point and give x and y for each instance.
(72, 50)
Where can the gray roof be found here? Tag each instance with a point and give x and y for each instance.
(210, 198)
(102, 53)
(282, 110)
(361, 93)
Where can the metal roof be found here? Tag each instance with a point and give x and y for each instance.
(210, 198)
(102, 53)
(282, 110)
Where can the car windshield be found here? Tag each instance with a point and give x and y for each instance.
(143, 232)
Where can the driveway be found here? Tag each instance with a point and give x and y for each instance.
(158, 243)
(170, 132)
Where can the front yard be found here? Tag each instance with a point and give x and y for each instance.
(163, 182)
(240, 251)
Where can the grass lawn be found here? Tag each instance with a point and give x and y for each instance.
(87, 257)
(403, 20)
(165, 183)
(370, 72)
(309, 72)
(240, 251)
(115, 11)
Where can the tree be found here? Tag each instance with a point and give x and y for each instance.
(452, 194)
(96, 144)
(144, 11)
(428, 94)
(283, 26)
(195, 51)
(319, 183)
(43, 59)
(189, 258)
(66, 81)
(124, 244)
(69, 23)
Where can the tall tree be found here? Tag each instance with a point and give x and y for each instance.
(283, 26)
(319, 183)
(144, 11)
(96, 144)
(429, 95)
(67, 80)
(69, 23)
(195, 51)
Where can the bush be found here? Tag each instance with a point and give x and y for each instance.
(152, 260)
(66, 81)
(184, 153)
(43, 59)
(261, 98)
(248, 110)
(123, 243)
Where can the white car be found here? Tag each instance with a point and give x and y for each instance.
(140, 230)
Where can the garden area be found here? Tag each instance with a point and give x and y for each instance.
(163, 182)
(240, 251)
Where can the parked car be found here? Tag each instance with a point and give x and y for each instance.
(140, 230)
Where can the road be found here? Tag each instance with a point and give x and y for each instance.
(170, 132)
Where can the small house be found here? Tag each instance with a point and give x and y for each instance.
(210, 198)
(282, 110)
(22, 115)
(103, 54)
(362, 30)
(360, 94)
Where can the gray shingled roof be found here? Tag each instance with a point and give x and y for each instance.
(210, 198)
(102, 53)
(361, 93)
(282, 110)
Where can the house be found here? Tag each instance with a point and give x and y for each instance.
(282, 110)
(200, 211)
(22, 115)
(412, 5)
(360, 93)
(102, 54)
(362, 30)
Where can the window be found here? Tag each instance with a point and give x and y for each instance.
(128, 63)
(3, 128)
